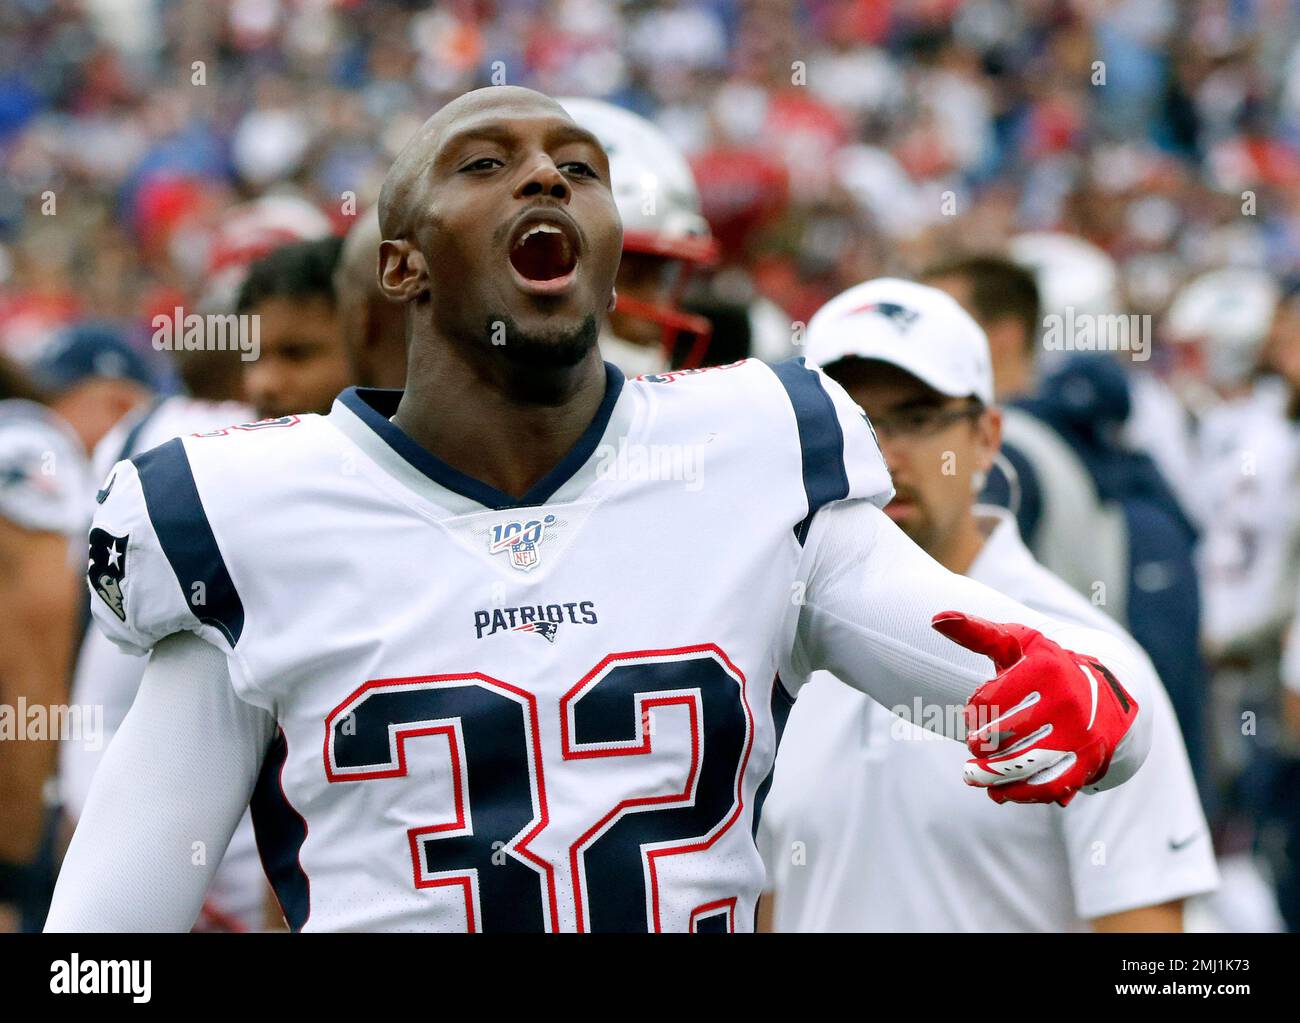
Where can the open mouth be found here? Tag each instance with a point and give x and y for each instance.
(544, 256)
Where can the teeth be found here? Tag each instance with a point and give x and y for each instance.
(537, 229)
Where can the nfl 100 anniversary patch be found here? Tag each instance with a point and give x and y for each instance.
(108, 568)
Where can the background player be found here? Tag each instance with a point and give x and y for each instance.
(665, 240)
(43, 480)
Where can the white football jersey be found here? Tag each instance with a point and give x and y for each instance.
(551, 713)
(43, 474)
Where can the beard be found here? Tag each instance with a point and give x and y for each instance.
(559, 348)
(919, 527)
(920, 530)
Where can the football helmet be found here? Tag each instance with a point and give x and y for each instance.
(659, 204)
(1227, 313)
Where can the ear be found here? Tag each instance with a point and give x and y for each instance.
(125, 398)
(613, 300)
(403, 273)
(988, 429)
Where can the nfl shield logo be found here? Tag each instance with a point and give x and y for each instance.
(523, 555)
(520, 539)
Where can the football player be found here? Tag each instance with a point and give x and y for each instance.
(1247, 460)
(42, 516)
(450, 642)
(1121, 860)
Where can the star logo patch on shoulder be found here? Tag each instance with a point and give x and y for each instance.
(108, 568)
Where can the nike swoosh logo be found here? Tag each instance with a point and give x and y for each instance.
(1175, 846)
(1092, 686)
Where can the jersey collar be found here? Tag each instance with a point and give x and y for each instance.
(1004, 560)
(374, 406)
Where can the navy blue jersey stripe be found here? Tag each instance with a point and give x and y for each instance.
(85, 615)
(374, 407)
(280, 832)
(178, 518)
(820, 437)
(782, 704)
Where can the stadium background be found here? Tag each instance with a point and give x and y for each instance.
(832, 142)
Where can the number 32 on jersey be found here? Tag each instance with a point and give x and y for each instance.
(491, 727)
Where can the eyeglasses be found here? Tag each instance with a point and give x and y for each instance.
(923, 422)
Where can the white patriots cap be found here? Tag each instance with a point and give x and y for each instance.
(919, 329)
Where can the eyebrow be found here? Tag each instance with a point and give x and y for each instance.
(560, 134)
(563, 133)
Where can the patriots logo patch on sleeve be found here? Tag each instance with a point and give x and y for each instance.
(108, 569)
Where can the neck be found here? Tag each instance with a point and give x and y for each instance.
(961, 547)
(502, 424)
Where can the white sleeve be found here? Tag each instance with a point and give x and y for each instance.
(103, 686)
(869, 595)
(165, 800)
(1146, 842)
(44, 480)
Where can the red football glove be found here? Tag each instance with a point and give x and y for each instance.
(1047, 724)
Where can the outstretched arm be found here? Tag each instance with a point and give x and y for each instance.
(1050, 724)
(166, 798)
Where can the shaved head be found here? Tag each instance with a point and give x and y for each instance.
(501, 244)
(477, 109)
(500, 235)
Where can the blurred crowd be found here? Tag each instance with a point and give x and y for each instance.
(1131, 152)
(824, 135)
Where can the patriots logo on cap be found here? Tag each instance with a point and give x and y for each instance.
(899, 315)
(546, 630)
